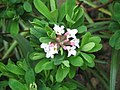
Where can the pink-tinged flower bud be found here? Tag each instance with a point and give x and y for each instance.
(72, 43)
(64, 47)
(57, 39)
(67, 33)
(61, 43)
(66, 40)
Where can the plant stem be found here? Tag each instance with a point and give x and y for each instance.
(114, 68)
(13, 45)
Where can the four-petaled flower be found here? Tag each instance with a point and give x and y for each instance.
(76, 42)
(71, 50)
(59, 30)
(71, 33)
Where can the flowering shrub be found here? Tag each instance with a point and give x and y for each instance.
(54, 44)
(64, 46)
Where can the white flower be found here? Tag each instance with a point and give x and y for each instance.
(76, 42)
(71, 33)
(45, 47)
(71, 50)
(53, 49)
(49, 54)
(59, 30)
(50, 49)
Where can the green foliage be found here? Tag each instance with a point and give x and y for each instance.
(114, 40)
(29, 24)
(61, 73)
(76, 61)
(90, 43)
(27, 6)
(15, 69)
(39, 6)
(29, 76)
(14, 27)
(115, 44)
(16, 85)
(104, 1)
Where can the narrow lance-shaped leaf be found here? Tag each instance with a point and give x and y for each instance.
(41, 7)
(14, 28)
(53, 5)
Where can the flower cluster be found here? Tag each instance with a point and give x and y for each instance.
(65, 40)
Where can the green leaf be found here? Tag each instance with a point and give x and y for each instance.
(36, 56)
(69, 19)
(20, 10)
(78, 12)
(61, 73)
(78, 22)
(116, 12)
(95, 39)
(82, 29)
(10, 13)
(40, 6)
(2, 67)
(71, 85)
(92, 64)
(38, 32)
(87, 57)
(53, 35)
(14, 28)
(85, 39)
(66, 63)
(72, 72)
(23, 64)
(96, 48)
(76, 61)
(48, 65)
(114, 40)
(15, 69)
(24, 45)
(62, 12)
(70, 4)
(114, 69)
(38, 67)
(53, 5)
(45, 39)
(55, 15)
(29, 76)
(16, 85)
(58, 59)
(114, 26)
(27, 6)
(88, 46)
(117, 44)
